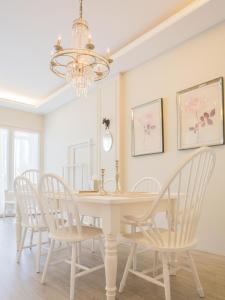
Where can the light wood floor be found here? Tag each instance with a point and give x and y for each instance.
(19, 282)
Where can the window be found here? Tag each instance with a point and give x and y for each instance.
(3, 165)
(26, 151)
(19, 151)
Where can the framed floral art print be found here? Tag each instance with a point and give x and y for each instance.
(147, 128)
(201, 115)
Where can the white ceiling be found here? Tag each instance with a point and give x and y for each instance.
(28, 30)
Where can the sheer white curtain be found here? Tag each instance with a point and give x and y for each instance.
(19, 151)
(3, 165)
(26, 151)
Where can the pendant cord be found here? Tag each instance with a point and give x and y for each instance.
(81, 9)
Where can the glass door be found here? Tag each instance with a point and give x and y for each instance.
(25, 152)
(4, 165)
(19, 151)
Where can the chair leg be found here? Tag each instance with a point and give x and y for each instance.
(38, 257)
(101, 249)
(93, 245)
(21, 244)
(128, 265)
(155, 263)
(166, 276)
(173, 264)
(196, 276)
(82, 219)
(47, 261)
(133, 230)
(73, 271)
(31, 239)
(93, 240)
(78, 251)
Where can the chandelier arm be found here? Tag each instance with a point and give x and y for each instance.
(100, 63)
(88, 55)
(70, 51)
(63, 75)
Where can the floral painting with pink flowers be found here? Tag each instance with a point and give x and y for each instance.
(147, 128)
(200, 115)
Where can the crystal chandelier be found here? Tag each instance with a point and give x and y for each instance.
(80, 65)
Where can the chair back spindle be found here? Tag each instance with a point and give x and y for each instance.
(147, 184)
(28, 201)
(185, 193)
(58, 204)
(33, 175)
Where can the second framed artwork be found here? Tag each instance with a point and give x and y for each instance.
(147, 128)
(200, 115)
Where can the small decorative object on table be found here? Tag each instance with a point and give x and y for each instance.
(95, 183)
(101, 189)
(117, 177)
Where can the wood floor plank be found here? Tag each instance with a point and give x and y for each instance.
(20, 282)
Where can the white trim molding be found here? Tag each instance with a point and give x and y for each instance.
(198, 16)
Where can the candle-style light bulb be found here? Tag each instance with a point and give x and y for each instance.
(108, 56)
(108, 52)
(58, 46)
(89, 38)
(90, 45)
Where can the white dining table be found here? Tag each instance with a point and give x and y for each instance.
(111, 208)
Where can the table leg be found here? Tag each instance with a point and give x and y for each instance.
(18, 228)
(110, 265)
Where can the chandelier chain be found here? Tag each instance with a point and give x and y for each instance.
(81, 9)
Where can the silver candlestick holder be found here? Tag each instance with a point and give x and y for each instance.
(117, 177)
(101, 190)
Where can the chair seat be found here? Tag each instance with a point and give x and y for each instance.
(71, 234)
(40, 227)
(131, 220)
(140, 238)
(35, 222)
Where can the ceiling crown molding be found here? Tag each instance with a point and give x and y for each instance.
(195, 18)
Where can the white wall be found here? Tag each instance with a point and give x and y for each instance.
(196, 61)
(25, 121)
(79, 120)
(20, 119)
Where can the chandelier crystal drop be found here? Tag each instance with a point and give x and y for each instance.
(80, 65)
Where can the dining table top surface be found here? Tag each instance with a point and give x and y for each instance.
(114, 197)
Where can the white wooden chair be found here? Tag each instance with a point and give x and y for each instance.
(185, 194)
(33, 175)
(59, 207)
(147, 185)
(31, 218)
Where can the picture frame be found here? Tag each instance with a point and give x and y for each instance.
(147, 128)
(200, 115)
